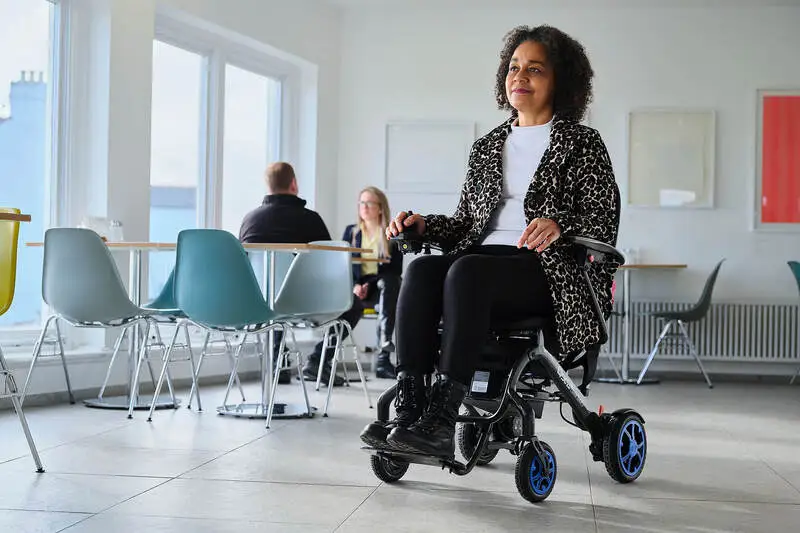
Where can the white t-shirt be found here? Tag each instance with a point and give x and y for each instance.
(522, 153)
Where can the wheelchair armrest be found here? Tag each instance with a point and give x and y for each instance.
(600, 251)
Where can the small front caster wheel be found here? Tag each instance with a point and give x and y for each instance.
(533, 482)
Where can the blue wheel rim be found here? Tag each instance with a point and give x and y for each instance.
(541, 484)
(632, 447)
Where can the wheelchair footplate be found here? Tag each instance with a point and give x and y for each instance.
(442, 461)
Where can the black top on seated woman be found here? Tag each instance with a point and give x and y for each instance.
(538, 175)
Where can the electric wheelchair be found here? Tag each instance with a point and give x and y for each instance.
(516, 375)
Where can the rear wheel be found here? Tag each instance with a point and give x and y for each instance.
(625, 448)
(388, 470)
(467, 436)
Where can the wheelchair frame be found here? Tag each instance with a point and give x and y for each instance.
(615, 437)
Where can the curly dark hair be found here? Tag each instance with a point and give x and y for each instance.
(573, 73)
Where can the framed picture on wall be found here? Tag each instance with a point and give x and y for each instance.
(671, 158)
(777, 194)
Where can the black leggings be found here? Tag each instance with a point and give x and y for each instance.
(465, 290)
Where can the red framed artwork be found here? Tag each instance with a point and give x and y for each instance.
(778, 160)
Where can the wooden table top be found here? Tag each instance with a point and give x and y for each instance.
(14, 217)
(168, 246)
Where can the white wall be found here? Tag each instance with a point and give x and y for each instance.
(420, 63)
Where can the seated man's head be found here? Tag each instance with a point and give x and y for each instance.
(280, 178)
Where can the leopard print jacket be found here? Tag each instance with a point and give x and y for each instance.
(574, 185)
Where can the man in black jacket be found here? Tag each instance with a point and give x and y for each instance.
(284, 218)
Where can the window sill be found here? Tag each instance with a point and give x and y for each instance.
(20, 357)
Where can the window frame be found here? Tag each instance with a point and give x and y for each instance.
(220, 50)
(56, 165)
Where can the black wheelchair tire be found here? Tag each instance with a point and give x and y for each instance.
(467, 438)
(525, 478)
(613, 446)
(388, 470)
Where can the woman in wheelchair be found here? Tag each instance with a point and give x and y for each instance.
(534, 180)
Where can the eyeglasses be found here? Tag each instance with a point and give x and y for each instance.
(369, 204)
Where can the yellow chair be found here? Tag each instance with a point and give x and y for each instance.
(9, 235)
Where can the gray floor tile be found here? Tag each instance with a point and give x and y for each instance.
(417, 509)
(67, 492)
(669, 516)
(235, 500)
(37, 521)
(113, 461)
(116, 523)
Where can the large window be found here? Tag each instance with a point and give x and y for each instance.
(27, 32)
(250, 141)
(216, 125)
(175, 161)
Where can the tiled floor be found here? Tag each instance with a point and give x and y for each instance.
(726, 459)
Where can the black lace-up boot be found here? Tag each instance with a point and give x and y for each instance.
(433, 433)
(408, 404)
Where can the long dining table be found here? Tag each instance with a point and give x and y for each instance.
(252, 410)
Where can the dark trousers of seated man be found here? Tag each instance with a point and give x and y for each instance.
(311, 366)
(382, 293)
(469, 291)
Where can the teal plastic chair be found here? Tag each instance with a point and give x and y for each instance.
(165, 310)
(217, 290)
(317, 289)
(82, 285)
(795, 267)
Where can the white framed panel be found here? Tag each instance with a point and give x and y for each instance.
(428, 157)
(671, 158)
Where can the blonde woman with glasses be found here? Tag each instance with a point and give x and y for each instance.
(377, 282)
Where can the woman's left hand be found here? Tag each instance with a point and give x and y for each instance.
(540, 233)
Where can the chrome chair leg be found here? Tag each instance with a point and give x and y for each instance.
(135, 385)
(331, 379)
(654, 352)
(165, 365)
(235, 371)
(37, 350)
(169, 377)
(300, 370)
(694, 352)
(230, 353)
(114, 354)
(11, 385)
(64, 362)
(791, 382)
(323, 355)
(276, 372)
(361, 374)
(195, 385)
(193, 367)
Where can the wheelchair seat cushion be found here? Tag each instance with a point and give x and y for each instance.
(536, 323)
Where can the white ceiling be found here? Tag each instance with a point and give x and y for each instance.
(349, 4)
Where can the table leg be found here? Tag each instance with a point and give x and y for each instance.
(259, 410)
(123, 402)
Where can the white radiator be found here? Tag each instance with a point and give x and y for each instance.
(729, 332)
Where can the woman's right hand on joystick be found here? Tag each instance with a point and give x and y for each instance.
(404, 221)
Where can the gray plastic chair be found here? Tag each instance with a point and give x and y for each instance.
(680, 319)
(317, 289)
(82, 285)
